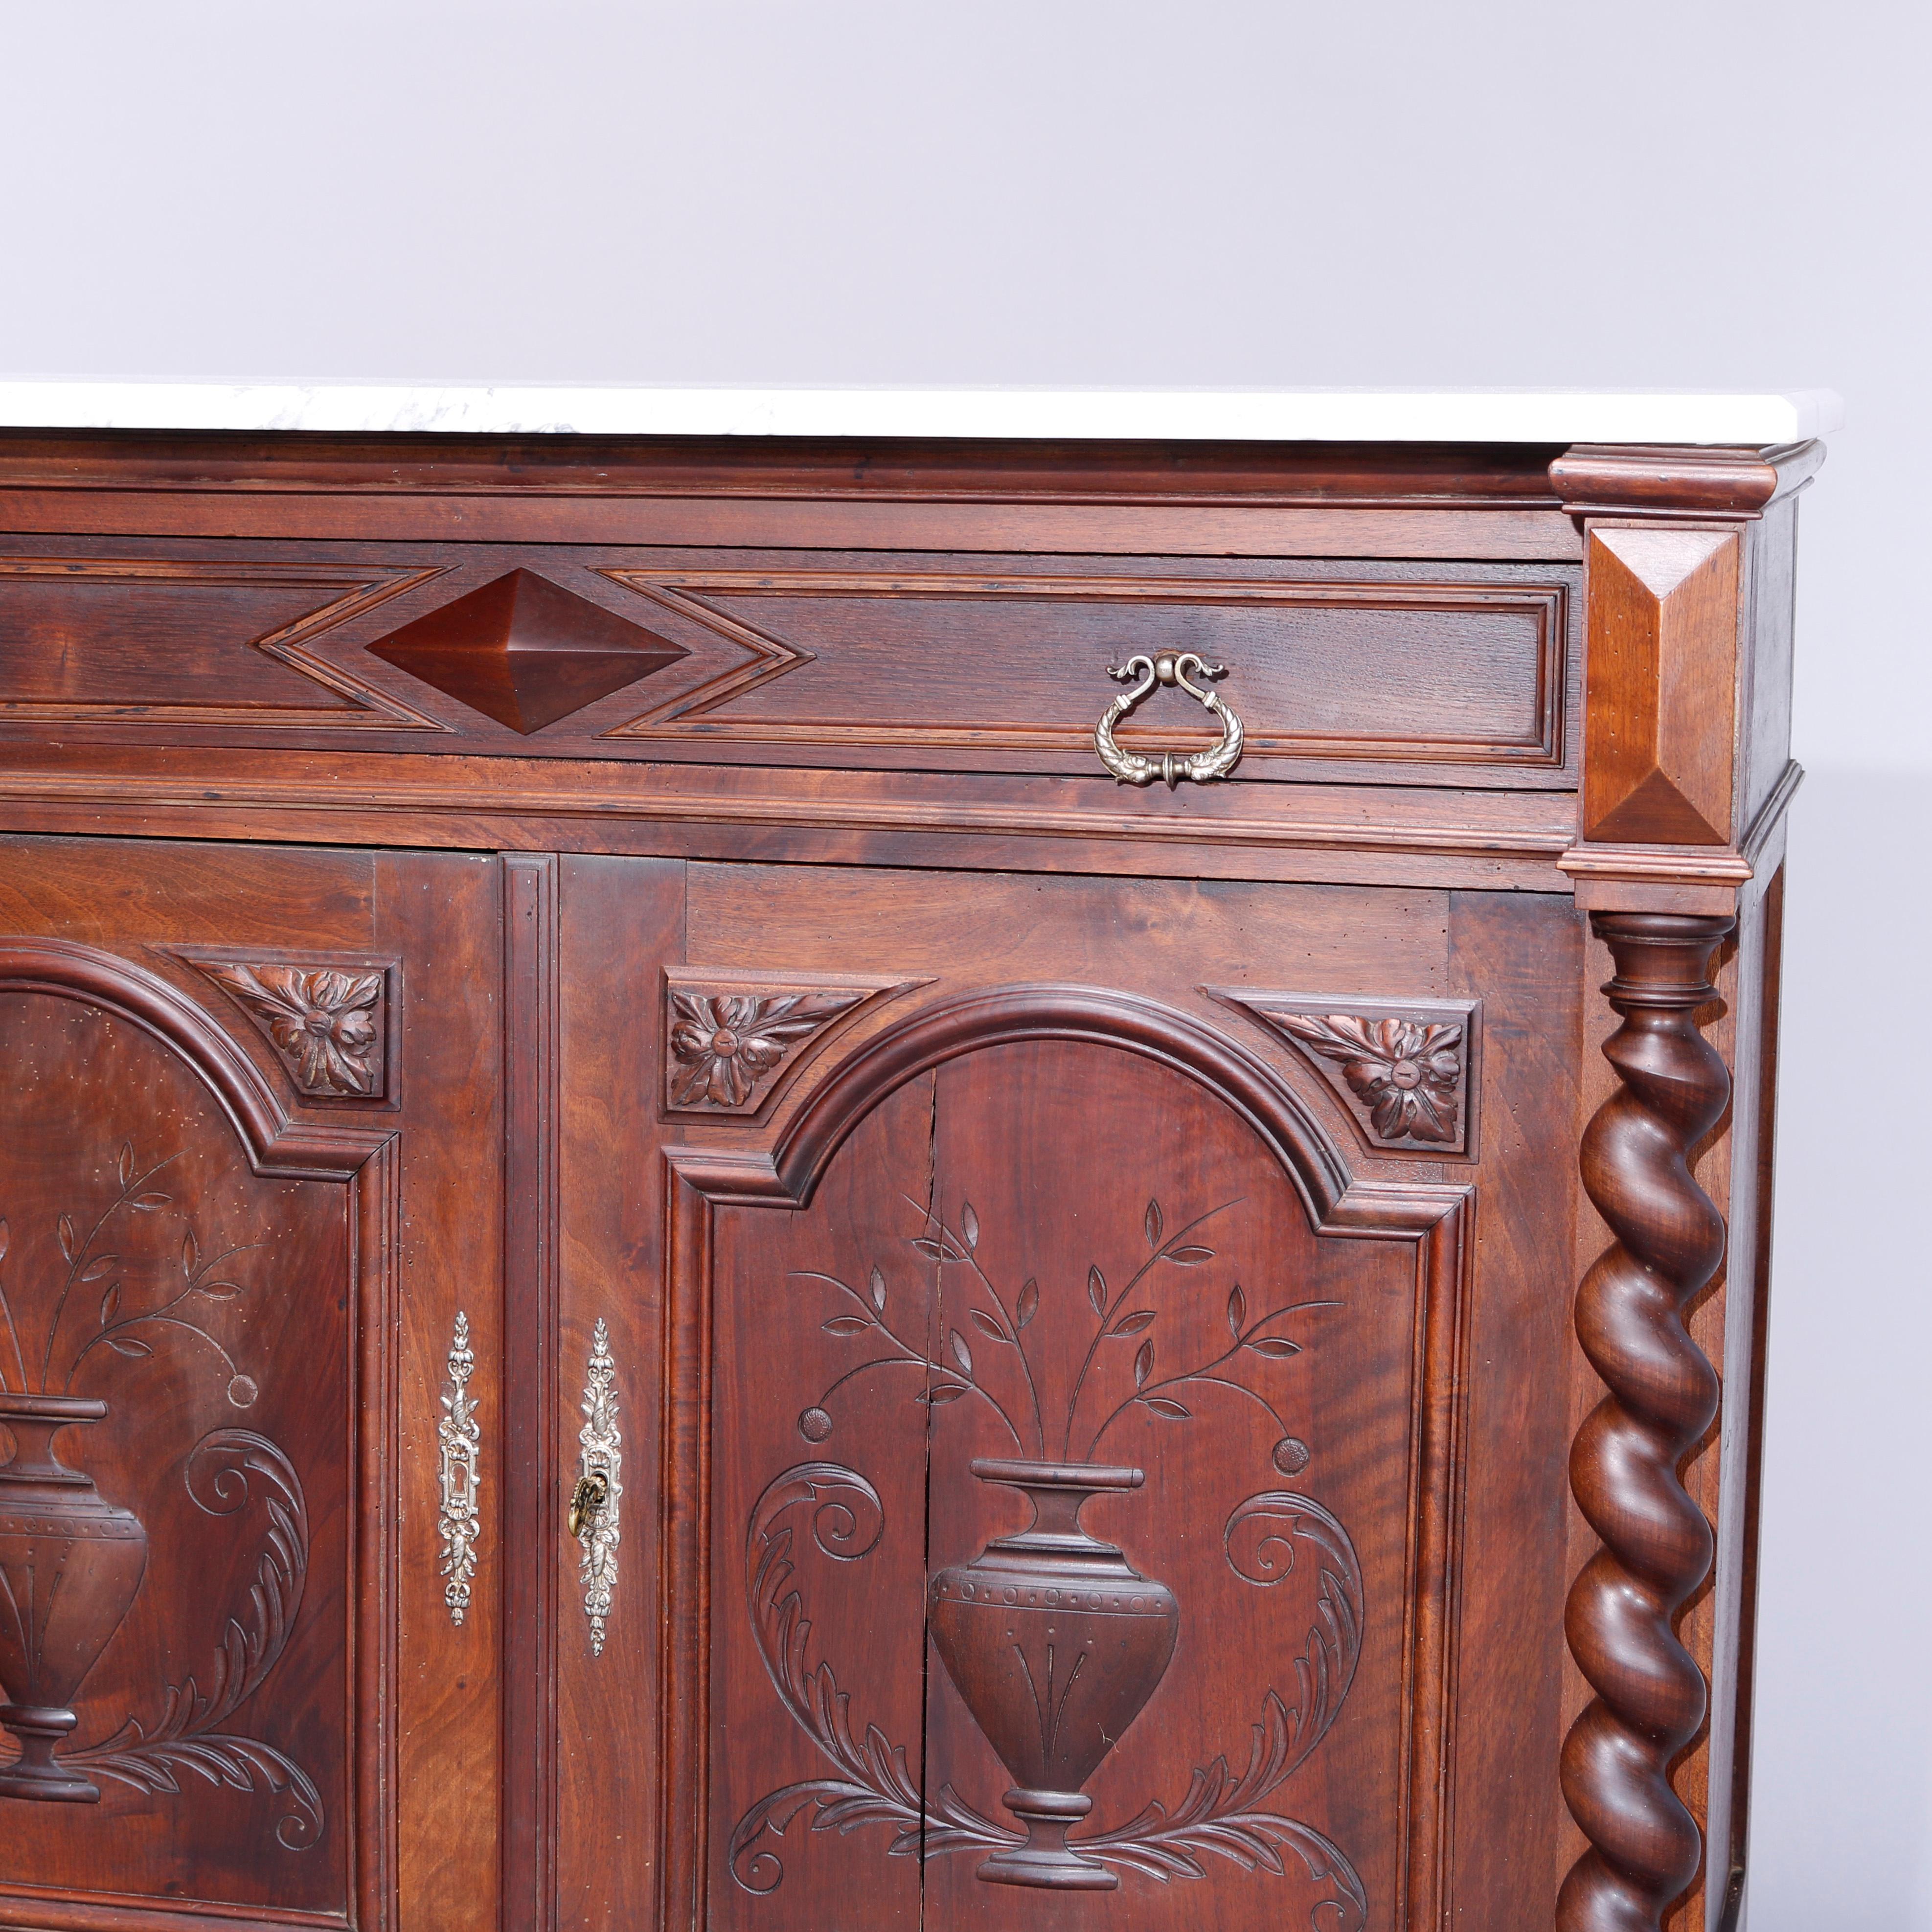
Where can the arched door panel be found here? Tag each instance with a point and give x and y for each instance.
(1077, 1473)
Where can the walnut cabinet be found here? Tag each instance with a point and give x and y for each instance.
(667, 1262)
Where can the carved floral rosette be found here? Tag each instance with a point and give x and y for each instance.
(734, 1038)
(1401, 1069)
(328, 1025)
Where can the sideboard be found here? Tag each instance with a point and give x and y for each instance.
(815, 1162)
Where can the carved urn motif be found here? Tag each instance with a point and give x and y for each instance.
(70, 1563)
(1055, 1643)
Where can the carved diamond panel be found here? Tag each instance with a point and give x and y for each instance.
(525, 652)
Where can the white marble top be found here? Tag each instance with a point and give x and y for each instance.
(1244, 416)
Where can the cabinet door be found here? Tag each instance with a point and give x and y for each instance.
(1018, 1329)
(249, 1254)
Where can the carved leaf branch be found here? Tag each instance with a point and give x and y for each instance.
(953, 1371)
(226, 1471)
(102, 1275)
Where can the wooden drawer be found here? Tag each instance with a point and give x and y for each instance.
(1457, 673)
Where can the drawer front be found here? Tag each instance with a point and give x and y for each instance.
(1461, 674)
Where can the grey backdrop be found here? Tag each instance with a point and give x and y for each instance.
(1681, 195)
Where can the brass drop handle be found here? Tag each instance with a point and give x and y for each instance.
(1169, 668)
(591, 1494)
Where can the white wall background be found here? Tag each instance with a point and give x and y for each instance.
(1678, 195)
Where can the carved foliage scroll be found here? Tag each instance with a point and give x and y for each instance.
(228, 1471)
(92, 1320)
(1220, 1813)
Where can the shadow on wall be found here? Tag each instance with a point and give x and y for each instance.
(1843, 1754)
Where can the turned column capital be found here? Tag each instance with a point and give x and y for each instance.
(1663, 959)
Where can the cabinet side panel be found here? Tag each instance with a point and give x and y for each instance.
(1770, 616)
(1740, 1426)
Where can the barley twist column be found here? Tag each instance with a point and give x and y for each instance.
(1656, 1544)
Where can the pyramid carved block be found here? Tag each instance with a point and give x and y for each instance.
(525, 652)
(1662, 668)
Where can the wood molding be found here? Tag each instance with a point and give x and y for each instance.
(761, 653)
(275, 1144)
(1452, 502)
(1683, 878)
(1627, 479)
(531, 1234)
(189, 789)
(353, 590)
(1655, 1545)
(34, 1908)
(943, 1031)
(953, 470)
